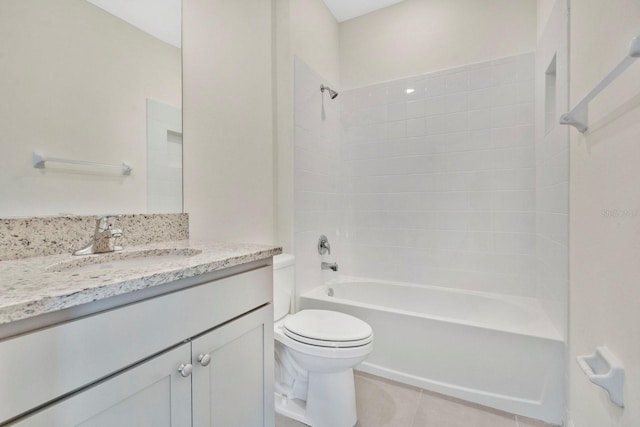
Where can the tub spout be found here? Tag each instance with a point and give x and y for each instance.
(329, 266)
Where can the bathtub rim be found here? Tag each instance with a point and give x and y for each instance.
(551, 333)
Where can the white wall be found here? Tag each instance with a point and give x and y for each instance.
(228, 120)
(315, 37)
(74, 82)
(544, 9)
(439, 182)
(283, 107)
(604, 210)
(419, 36)
(308, 30)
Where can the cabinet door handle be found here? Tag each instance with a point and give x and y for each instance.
(185, 369)
(204, 359)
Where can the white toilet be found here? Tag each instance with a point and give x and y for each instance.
(316, 351)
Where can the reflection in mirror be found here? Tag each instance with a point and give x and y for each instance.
(79, 83)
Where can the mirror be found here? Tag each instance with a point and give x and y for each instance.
(89, 85)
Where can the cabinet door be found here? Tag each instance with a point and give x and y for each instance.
(235, 385)
(152, 394)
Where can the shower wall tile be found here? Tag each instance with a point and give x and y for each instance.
(428, 180)
(552, 180)
(439, 178)
(318, 177)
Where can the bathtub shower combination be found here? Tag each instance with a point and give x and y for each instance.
(494, 350)
(435, 189)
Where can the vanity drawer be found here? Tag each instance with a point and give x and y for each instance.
(38, 367)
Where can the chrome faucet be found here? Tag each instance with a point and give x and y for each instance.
(104, 237)
(329, 266)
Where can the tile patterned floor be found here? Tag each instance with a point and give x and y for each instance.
(384, 403)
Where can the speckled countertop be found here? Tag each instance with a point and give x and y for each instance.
(33, 286)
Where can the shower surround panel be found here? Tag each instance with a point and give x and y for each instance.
(438, 178)
(431, 187)
(318, 183)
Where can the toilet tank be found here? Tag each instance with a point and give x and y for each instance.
(283, 284)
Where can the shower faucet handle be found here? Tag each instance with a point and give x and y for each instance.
(323, 245)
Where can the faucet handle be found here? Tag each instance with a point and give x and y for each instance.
(323, 245)
(105, 222)
(104, 237)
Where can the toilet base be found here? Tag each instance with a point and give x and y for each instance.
(331, 401)
(291, 408)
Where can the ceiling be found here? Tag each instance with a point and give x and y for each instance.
(344, 10)
(160, 18)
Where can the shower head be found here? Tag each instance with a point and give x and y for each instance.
(332, 93)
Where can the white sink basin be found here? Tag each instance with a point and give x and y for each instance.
(123, 260)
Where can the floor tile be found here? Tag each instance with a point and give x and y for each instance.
(382, 403)
(441, 411)
(528, 422)
(287, 422)
(385, 403)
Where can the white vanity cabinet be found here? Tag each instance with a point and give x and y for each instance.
(122, 366)
(150, 394)
(229, 373)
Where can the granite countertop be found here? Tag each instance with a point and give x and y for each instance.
(33, 286)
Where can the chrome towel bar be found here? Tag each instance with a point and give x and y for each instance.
(578, 117)
(39, 161)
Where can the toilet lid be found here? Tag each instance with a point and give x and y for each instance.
(327, 328)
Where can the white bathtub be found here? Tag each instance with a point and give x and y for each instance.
(495, 350)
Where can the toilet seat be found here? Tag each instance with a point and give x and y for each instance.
(328, 344)
(317, 350)
(325, 328)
